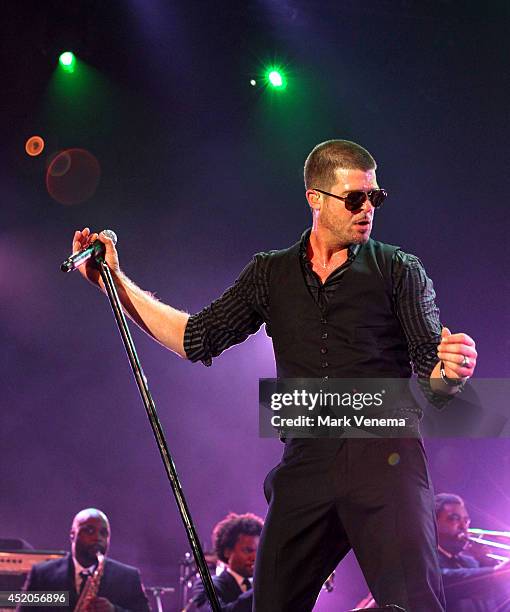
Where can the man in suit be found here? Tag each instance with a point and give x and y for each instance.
(120, 587)
(235, 540)
(473, 581)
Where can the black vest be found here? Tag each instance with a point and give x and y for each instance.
(358, 336)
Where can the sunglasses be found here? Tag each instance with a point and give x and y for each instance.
(354, 200)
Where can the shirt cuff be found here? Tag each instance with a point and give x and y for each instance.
(439, 400)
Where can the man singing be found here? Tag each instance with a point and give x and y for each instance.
(337, 304)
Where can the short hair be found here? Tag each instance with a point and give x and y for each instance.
(226, 532)
(90, 512)
(327, 157)
(442, 499)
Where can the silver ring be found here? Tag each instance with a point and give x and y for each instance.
(465, 362)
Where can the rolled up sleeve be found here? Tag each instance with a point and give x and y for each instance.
(230, 319)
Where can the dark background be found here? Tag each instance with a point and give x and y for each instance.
(199, 170)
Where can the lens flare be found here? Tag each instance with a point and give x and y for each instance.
(34, 146)
(72, 176)
(394, 459)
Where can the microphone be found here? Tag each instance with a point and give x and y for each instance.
(95, 249)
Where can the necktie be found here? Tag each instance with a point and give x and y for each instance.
(246, 584)
(84, 576)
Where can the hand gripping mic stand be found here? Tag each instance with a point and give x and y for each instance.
(157, 430)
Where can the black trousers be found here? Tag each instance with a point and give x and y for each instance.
(328, 496)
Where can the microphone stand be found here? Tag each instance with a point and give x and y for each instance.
(157, 430)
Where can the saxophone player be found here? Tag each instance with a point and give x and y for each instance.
(116, 587)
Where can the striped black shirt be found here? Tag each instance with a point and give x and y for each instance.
(244, 307)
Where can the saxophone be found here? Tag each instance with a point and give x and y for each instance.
(91, 587)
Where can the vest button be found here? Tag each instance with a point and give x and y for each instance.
(324, 335)
(324, 364)
(324, 350)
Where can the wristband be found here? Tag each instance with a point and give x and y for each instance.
(451, 382)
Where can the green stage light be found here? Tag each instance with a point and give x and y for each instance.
(68, 61)
(276, 78)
